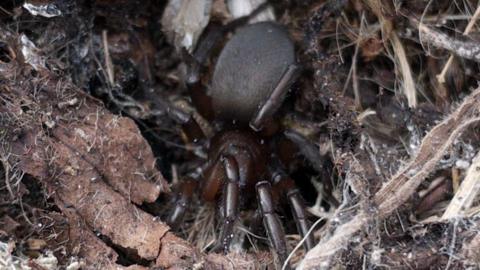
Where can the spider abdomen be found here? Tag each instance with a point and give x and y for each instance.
(248, 68)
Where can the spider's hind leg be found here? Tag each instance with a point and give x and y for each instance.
(285, 186)
(299, 214)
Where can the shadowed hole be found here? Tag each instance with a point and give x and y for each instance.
(5, 55)
(126, 256)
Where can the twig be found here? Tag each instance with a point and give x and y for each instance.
(463, 48)
(6, 169)
(471, 23)
(285, 264)
(452, 245)
(449, 17)
(467, 192)
(108, 59)
(356, 91)
(455, 179)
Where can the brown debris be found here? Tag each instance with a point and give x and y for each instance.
(92, 161)
(85, 244)
(471, 249)
(8, 225)
(404, 183)
(78, 183)
(177, 253)
(66, 160)
(416, 258)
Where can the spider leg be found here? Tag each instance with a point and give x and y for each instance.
(212, 181)
(274, 101)
(271, 221)
(230, 202)
(189, 125)
(298, 209)
(184, 193)
(308, 149)
(319, 162)
(195, 88)
(286, 186)
(182, 202)
(256, 223)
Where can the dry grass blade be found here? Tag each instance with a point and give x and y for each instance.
(381, 10)
(408, 82)
(403, 184)
(108, 59)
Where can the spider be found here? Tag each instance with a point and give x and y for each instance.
(251, 77)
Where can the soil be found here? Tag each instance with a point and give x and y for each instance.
(379, 133)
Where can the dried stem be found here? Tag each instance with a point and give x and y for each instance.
(467, 192)
(471, 23)
(408, 82)
(463, 48)
(108, 59)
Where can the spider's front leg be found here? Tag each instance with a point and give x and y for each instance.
(184, 191)
(271, 221)
(182, 202)
(231, 170)
(275, 99)
(230, 201)
(224, 171)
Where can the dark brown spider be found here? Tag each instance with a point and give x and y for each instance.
(252, 75)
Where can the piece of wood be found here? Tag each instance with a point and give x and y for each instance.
(467, 192)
